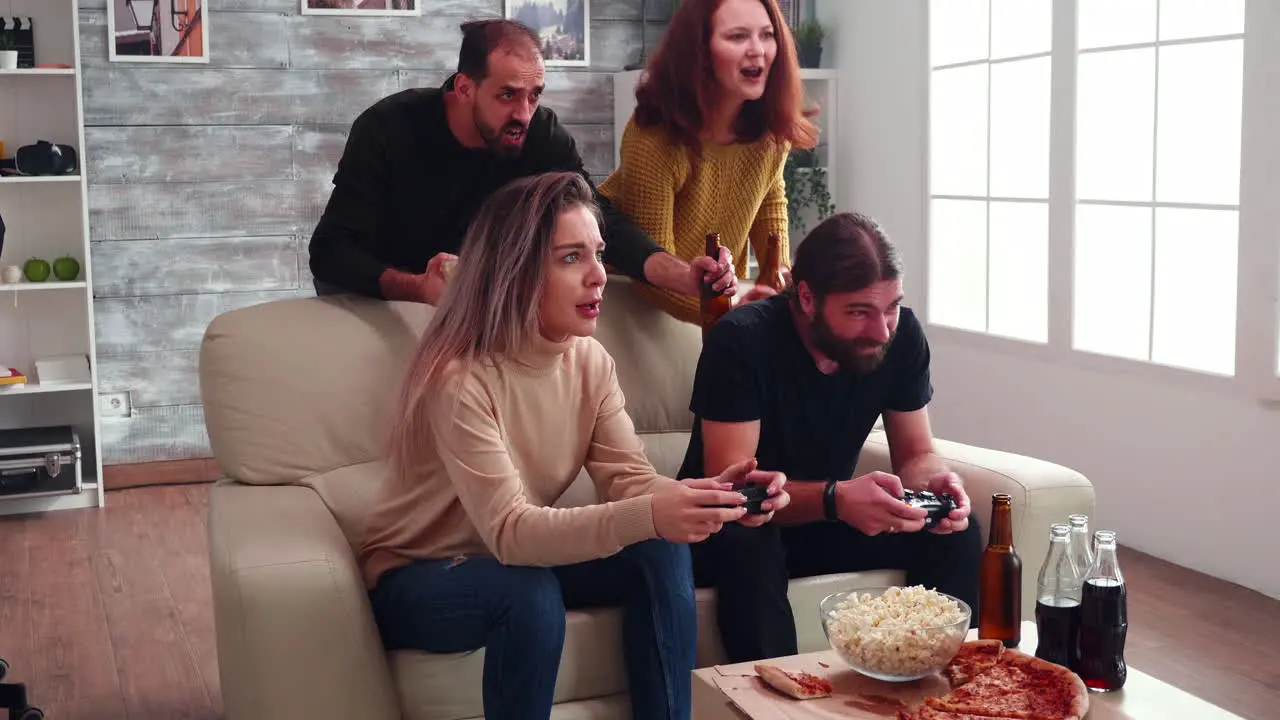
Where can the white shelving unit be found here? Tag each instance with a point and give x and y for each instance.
(48, 217)
(822, 87)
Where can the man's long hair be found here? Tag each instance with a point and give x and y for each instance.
(847, 252)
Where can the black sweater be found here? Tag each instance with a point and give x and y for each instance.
(406, 189)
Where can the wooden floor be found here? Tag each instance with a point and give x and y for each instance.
(106, 614)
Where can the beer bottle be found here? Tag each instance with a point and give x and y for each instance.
(1000, 579)
(712, 304)
(771, 266)
(1104, 619)
(1058, 601)
(1081, 549)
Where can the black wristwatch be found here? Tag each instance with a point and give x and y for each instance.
(829, 501)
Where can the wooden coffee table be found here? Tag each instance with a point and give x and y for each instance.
(1143, 697)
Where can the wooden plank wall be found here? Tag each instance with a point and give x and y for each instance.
(206, 181)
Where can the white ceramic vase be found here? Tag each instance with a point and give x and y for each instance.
(8, 59)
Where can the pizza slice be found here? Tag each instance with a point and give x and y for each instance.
(974, 657)
(798, 685)
(1019, 686)
(925, 712)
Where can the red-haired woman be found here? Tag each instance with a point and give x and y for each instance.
(718, 108)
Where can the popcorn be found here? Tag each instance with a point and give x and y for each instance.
(907, 631)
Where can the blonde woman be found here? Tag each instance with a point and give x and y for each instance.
(506, 400)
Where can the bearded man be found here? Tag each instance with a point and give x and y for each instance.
(418, 164)
(797, 381)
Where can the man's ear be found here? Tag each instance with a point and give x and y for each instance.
(807, 301)
(464, 86)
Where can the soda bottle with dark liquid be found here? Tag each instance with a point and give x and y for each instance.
(771, 266)
(712, 304)
(1000, 578)
(1058, 601)
(1081, 544)
(1104, 619)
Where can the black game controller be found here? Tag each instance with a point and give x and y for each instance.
(938, 506)
(755, 495)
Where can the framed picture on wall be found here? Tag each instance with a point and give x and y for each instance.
(563, 25)
(362, 7)
(163, 31)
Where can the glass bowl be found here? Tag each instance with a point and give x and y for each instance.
(889, 648)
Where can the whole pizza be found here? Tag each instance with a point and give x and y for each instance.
(990, 681)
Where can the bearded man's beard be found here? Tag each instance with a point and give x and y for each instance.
(493, 137)
(850, 355)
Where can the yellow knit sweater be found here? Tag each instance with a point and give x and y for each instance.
(678, 199)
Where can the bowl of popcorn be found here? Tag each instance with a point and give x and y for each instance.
(896, 634)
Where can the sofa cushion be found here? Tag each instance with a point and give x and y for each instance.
(656, 356)
(350, 493)
(447, 686)
(297, 387)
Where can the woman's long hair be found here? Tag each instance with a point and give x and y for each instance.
(679, 91)
(489, 310)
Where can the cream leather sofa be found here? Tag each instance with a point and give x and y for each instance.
(295, 396)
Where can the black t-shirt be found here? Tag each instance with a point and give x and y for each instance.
(754, 366)
(405, 189)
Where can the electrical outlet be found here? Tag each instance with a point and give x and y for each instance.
(115, 404)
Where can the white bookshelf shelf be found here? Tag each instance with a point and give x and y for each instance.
(48, 217)
(89, 496)
(28, 72)
(35, 388)
(37, 179)
(48, 285)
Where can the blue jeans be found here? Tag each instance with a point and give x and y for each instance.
(517, 614)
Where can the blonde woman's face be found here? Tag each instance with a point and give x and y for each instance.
(575, 277)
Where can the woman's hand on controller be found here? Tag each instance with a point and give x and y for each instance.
(739, 474)
(692, 510)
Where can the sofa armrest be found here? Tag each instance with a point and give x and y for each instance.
(1043, 493)
(296, 637)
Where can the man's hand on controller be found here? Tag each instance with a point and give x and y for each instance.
(951, 484)
(863, 503)
(718, 273)
(777, 497)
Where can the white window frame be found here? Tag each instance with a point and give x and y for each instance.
(1258, 286)
(1258, 327)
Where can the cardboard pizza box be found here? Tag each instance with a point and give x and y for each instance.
(855, 696)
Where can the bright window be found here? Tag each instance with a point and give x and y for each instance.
(989, 166)
(1157, 181)
(1146, 154)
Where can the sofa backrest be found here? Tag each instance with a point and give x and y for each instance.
(300, 391)
(299, 387)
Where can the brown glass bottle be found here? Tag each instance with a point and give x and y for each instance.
(771, 266)
(1000, 579)
(712, 304)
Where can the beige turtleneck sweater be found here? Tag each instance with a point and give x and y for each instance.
(502, 443)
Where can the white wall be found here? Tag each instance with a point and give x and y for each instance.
(1184, 472)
